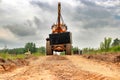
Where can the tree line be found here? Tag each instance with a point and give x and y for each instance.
(30, 46)
(107, 45)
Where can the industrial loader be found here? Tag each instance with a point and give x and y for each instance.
(60, 39)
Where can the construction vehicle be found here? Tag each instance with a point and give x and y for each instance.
(60, 39)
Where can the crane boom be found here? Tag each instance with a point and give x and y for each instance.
(60, 39)
(59, 13)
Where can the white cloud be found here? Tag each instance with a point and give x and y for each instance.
(108, 3)
(30, 20)
(17, 10)
(6, 34)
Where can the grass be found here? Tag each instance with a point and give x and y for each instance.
(62, 53)
(11, 56)
(15, 56)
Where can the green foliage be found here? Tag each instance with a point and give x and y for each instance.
(89, 51)
(4, 55)
(116, 42)
(115, 49)
(106, 44)
(62, 53)
(30, 46)
(16, 51)
(16, 56)
(11, 56)
(13, 51)
(75, 49)
(19, 52)
(42, 50)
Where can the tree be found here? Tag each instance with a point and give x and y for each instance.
(75, 48)
(42, 49)
(116, 42)
(16, 51)
(30, 46)
(106, 44)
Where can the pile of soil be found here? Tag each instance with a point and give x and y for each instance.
(109, 57)
(8, 65)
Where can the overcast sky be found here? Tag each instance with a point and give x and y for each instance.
(23, 21)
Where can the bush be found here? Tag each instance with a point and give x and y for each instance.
(115, 49)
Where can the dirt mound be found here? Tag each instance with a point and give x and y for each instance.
(109, 57)
(56, 57)
(31, 57)
(2, 60)
(8, 65)
(21, 62)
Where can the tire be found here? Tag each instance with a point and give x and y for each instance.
(68, 49)
(49, 51)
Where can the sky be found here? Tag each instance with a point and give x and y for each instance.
(89, 21)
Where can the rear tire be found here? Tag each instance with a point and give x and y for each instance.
(68, 49)
(49, 50)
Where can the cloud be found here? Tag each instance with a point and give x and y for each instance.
(91, 13)
(31, 20)
(6, 34)
(21, 29)
(38, 23)
(108, 3)
(6, 37)
(43, 5)
(92, 23)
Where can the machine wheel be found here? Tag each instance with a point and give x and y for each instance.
(68, 49)
(49, 51)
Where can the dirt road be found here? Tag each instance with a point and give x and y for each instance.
(64, 68)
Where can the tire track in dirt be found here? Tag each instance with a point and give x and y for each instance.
(64, 69)
(94, 66)
(56, 68)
